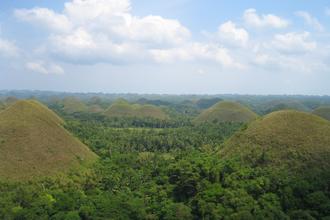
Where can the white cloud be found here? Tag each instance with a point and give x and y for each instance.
(310, 20)
(196, 51)
(294, 42)
(44, 68)
(230, 33)
(251, 18)
(8, 48)
(44, 17)
(105, 31)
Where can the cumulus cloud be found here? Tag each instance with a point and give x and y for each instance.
(92, 31)
(44, 17)
(196, 51)
(251, 18)
(230, 33)
(294, 42)
(310, 20)
(8, 48)
(106, 31)
(44, 68)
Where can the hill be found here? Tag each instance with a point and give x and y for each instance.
(2, 106)
(277, 105)
(10, 100)
(207, 103)
(122, 108)
(288, 139)
(33, 143)
(323, 112)
(72, 105)
(226, 112)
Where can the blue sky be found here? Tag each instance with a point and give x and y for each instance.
(182, 46)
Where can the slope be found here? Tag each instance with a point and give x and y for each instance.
(33, 143)
(226, 112)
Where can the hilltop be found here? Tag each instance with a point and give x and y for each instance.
(2, 106)
(73, 105)
(225, 111)
(288, 139)
(33, 143)
(277, 105)
(122, 108)
(323, 112)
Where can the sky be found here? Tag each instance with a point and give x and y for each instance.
(166, 46)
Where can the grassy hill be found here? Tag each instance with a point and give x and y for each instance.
(10, 100)
(2, 106)
(226, 112)
(122, 108)
(33, 143)
(323, 112)
(72, 105)
(288, 139)
(277, 105)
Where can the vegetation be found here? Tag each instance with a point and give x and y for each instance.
(226, 112)
(290, 140)
(72, 105)
(121, 108)
(33, 143)
(276, 167)
(323, 112)
(277, 105)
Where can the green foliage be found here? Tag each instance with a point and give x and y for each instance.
(226, 112)
(160, 170)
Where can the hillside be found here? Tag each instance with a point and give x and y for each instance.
(34, 143)
(226, 112)
(277, 105)
(122, 108)
(72, 105)
(2, 106)
(323, 112)
(292, 140)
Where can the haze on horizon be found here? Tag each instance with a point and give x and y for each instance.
(177, 47)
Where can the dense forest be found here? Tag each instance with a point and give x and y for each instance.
(166, 169)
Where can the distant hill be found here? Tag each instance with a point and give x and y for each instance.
(2, 106)
(122, 108)
(323, 112)
(72, 105)
(207, 103)
(95, 109)
(289, 140)
(10, 100)
(277, 105)
(33, 143)
(225, 111)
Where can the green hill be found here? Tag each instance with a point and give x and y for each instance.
(10, 100)
(122, 108)
(33, 143)
(277, 105)
(295, 141)
(2, 106)
(226, 112)
(72, 105)
(323, 112)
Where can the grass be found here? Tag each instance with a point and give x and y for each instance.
(72, 105)
(323, 112)
(226, 112)
(124, 109)
(34, 143)
(288, 139)
(277, 105)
